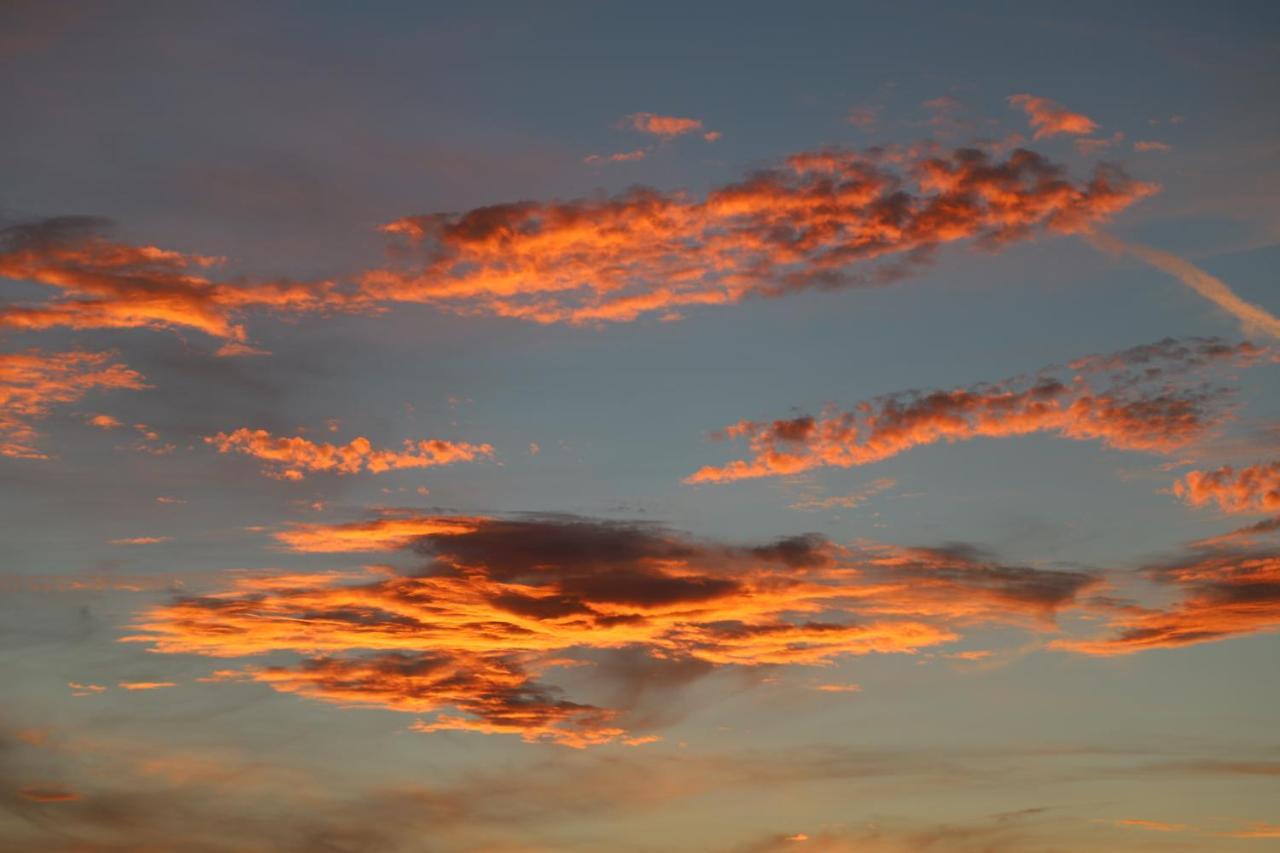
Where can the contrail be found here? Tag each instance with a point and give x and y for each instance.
(1254, 318)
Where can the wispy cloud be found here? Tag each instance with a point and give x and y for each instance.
(294, 457)
(666, 127)
(32, 383)
(1049, 118)
(1136, 407)
(1254, 319)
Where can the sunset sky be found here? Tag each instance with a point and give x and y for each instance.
(666, 426)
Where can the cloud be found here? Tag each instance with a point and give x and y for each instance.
(667, 127)
(1138, 407)
(1257, 829)
(104, 422)
(1050, 118)
(1224, 594)
(387, 533)
(1241, 536)
(825, 219)
(1146, 145)
(145, 685)
(292, 458)
(1090, 147)
(849, 501)
(48, 794)
(1153, 825)
(620, 157)
(1252, 489)
(822, 219)
(33, 382)
(1254, 319)
(141, 540)
(500, 603)
(105, 284)
(945, 115)
(864, 118)
(78, 689)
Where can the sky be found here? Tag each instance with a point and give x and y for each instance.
(598, 426)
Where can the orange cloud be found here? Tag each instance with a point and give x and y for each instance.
(388, 533)
(1143, 145)
(621, 157)
(292, 458)
(104, 284)
(145, 685)
(1252, 489)
(824, 219)
(1050, 118)
(48, 794)
(105, 422)
(1154, 825)
(1257, 829)
(1139, 409)
(1224, 594)
(849, 501)
(78, 689)
(667, 127)
(141, 540)
(33, 382)
(470, 637)
(1246, 535)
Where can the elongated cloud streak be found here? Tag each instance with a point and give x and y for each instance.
(1255, 488)
(501, 603)
(105, 284)
(1139, 407)
(1049, 118)
(1254, 319)
(825, 219)
(664, 126)
(33, 382)
(1225, 594)
(293, 457)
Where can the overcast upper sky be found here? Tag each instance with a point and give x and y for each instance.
(663, 426)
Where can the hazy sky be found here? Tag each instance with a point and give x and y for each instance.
(601, 426)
